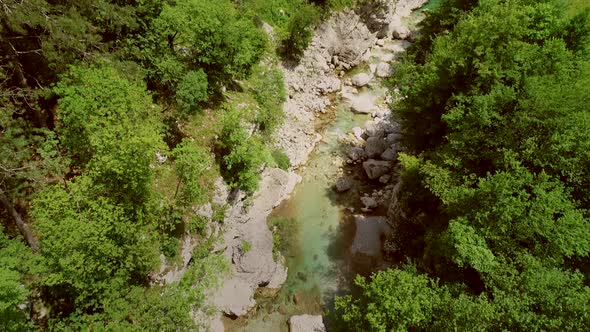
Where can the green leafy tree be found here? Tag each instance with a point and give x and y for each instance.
(495, 188)
(395, 300)
(192, 90)
(92, 248)
(111, 129)
(191, 163)
(299, 31)
(242, 155)
(209, 35)
(267, 88)
(14, 289)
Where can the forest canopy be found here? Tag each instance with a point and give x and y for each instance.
(116, 117)
(493, 211)
(110, 114)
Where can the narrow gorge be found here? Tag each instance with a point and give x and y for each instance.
(331, 207)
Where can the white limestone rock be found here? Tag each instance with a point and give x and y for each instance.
(306, 323)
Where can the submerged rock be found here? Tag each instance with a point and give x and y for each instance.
(306, 323)
(376, 168)
(368, 235)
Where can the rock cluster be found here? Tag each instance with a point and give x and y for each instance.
(339, 44)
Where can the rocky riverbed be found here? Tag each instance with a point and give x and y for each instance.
(340, 73)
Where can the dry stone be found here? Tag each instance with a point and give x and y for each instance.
(383, 70)
(306, 323)
(389, 154)
(369, 202)
(375, 146)
(361, 79)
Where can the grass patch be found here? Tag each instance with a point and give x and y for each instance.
(363, 67)
(196, 224)
(219, 212)
(245, 246)
(281, 159)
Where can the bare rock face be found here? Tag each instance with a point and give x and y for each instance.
(347, 37)
(256, 266)
(386, 16)
(306, 323)
(376, 168)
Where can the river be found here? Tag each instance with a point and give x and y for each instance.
(318, 228)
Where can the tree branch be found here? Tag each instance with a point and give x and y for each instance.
(22, 226)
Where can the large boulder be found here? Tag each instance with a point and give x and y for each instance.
(374, 128)
(357, 132)
(235, 298)
(393, 138)
(363, 106)
(376, 168)
(360, 79)
(400, 32)
(391, 17)
(306, 323)
(375, 146)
